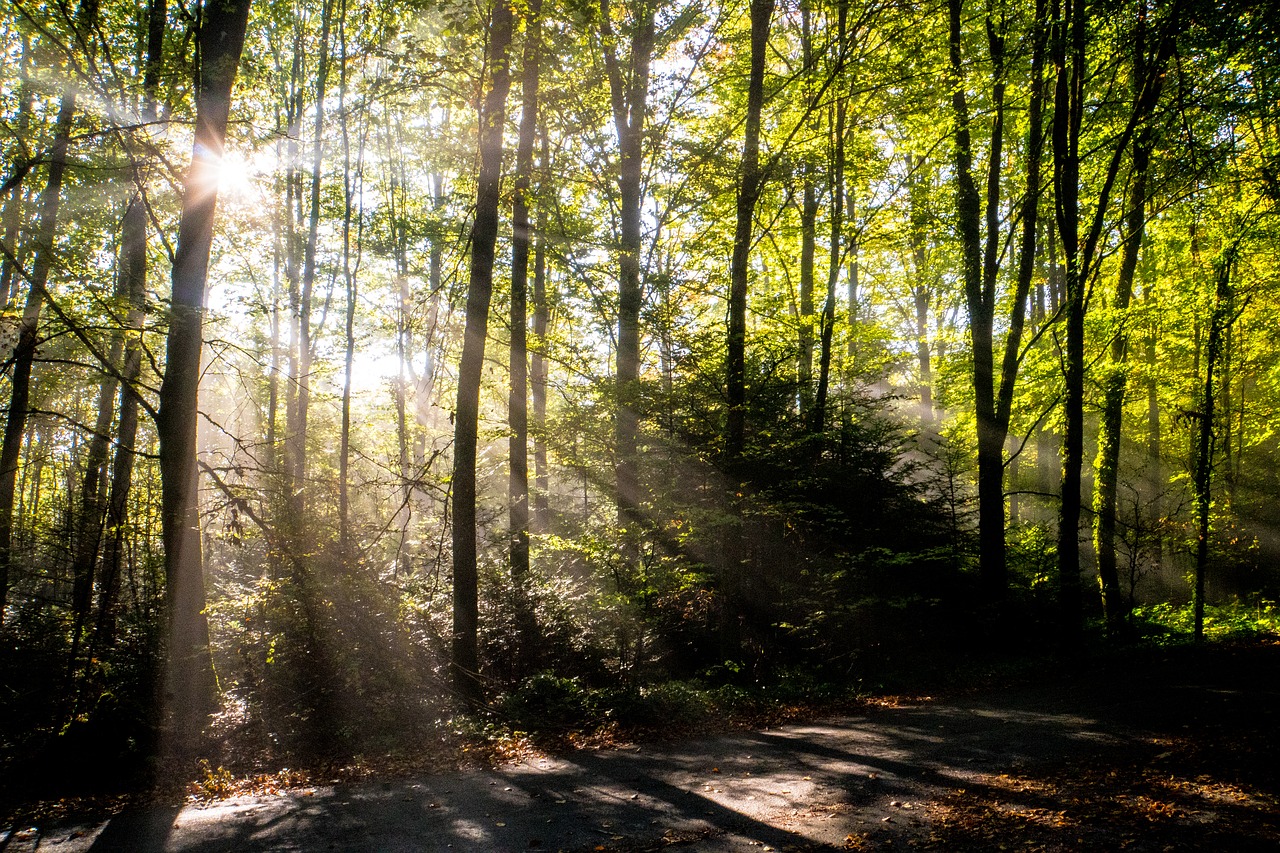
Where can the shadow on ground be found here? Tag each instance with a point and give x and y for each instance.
(1176, 755)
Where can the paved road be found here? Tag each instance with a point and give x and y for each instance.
(802, 787)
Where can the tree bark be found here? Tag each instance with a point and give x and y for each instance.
(1224, 299)
(629, 96)
(835, 193)
(750, 184)
(465, 664)
(921, 291)
(133, 284)
(352, 186)
(24, 352)
(808, 235)
(517, 408)
(298, 435)
(188, 682)
(1069, 58)
(15, 199)
(1115, 383)
(538, 362)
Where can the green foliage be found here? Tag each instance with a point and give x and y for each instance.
(1232, 620)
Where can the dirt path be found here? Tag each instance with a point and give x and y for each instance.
(956, 774)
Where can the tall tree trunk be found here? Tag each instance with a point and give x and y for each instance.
(188, 682)
(352, 188)
(835, 194)
(1081, 254)
(298, 435)
(808, 234)
(979, 278)
(133, 254)
(629, 96)
(93, 496)
(1223, 309)
(1069, 56)
(25, 351)
(484, 232)
(1107, 477)
(750, 185)
(133, 284)
(15, 199)
(538, 363)
(921, 291)
(517, 409)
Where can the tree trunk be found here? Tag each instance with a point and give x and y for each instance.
(808, 237)
(835, 193)
(518, 413)
(351, 188)
(980, 270)
(93, 496)
(133, 284)
(1069, 56)
(921, 291)
(11, 215)
(750, 184)
(133, 254)
(1224, 298)
(188, 683)
(24, 352)
(298, 435)
(465, 664)
(629, 96)
(538, 363)
(1115, 383)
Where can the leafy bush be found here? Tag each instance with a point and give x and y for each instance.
(1233, 620)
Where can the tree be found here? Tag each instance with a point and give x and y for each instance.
(1069, 53)
(189, 675)
(750, 183)
(484, 231)
(1116, 382)
(981, 268)
(518, 412)
(629, 95)
(25, 350)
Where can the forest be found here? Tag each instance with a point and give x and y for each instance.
(377, 374)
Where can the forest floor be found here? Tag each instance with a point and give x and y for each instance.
(1170, 751)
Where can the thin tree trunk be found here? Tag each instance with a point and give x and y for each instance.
(750, 185)
(1224, 298)
(835, 193)
(25, 351)
(1106, 481)
(351, 188)
(188, 683)
(134, 277)
(808, 235)
(484, 232)
(298, 435)
(133, 280)
(93, 496)
(921, 291)
(538, 363)
(629, 96)
(517, 409)
(1069, 57)
(15, 200)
